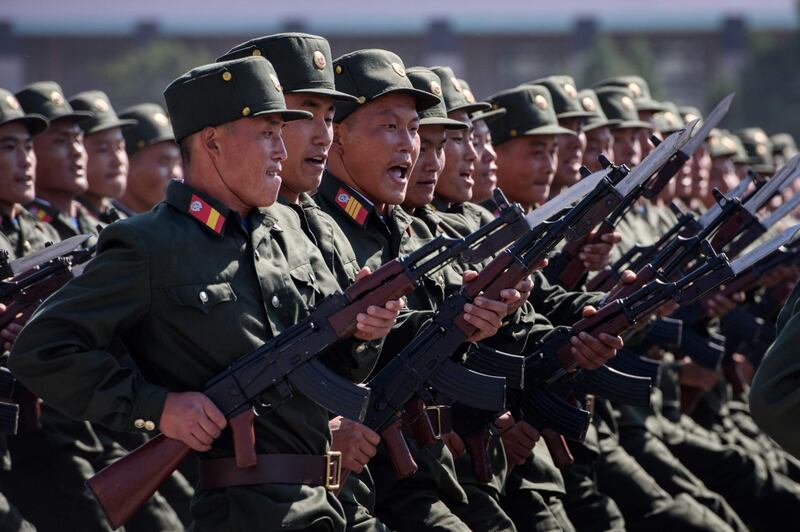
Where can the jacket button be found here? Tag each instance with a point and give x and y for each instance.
(149, 426)
(276, 302)
(203, 296)
(139, 423)
(256, 255)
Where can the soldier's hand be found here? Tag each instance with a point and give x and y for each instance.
(518, 437)
(484, 314)
(719, 304)
(523, 291)
(10, 332)
(454, 443)
(192, 418)
(357, 443)
(596, 256)
(592, 351)
(696, 376)
(378, 321)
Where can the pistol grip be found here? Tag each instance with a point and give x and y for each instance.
(478, 448)
(402, 461)
(416, 417)
(558, 448)
(244, 439)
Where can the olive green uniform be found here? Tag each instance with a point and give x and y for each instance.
(183, 321)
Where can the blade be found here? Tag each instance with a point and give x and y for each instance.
(786, 175)
(50, 252)
(566, 198)
(657, 158)
(785, 208)
(765, 249)
(709, 123)
(714, 210)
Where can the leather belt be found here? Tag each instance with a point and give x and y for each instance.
(441, 419)
(311, 470)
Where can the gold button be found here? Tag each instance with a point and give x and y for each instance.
(26, 246)
(149, 426)
(245, 111)
(203, 296)
(361, 99)
(338, 69)
(513, 132)
(139, 423)
(141, 144)
(256, 52)
(226, 76)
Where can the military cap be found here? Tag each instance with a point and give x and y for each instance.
(47, 99)
(565, 96)
(759, 149)
(669, 120)
(455, 99)
(370, 74)
(597, 118)
(722, 144)
(529, 111)
(302, 62)
(783, 144)
(424, 79)
(487, 114)
(618, 105)
(689, 113)
(640, 91)
(211, 95)
(103, 114)
(11, 112)
(152, 126)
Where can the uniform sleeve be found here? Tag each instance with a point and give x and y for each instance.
(775, 393)
(557, 304)
(63, 354)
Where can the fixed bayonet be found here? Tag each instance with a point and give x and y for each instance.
(47, 254)
(709, 123)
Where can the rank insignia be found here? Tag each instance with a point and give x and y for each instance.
(207, 214)
(351, 206)
(40, 214)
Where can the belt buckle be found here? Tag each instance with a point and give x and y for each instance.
(437, 425)
(333, 470)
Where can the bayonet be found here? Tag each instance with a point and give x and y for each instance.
(47, 254)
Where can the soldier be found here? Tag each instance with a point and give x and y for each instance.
(153, 156)
(783, 148)
(646, 106)
(628, 128)
(597, 128)
(243, 289)
(61, 161)
(485, 176)
(722, 149)
(107, 166)
(20, 233)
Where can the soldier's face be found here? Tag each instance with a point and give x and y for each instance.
(249, 156)
(455, 183)
(525, 168)
(429, 165)
(644, 134)
(61, 158)
(701, 165)
(17, 166)
(485, 176)
(107, 169)
(723, 174)
(377, 147)
(627, 149)
(598, 142)
(151, 170)
(570, 152)
(307, 143)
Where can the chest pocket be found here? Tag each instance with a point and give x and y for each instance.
(203, 297)
(306, 282)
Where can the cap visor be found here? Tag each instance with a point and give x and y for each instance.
(575, 114)
(336, 95)
(33, 122)
(488, 115)
(124, 123)
(425, 100)
(598, 125)
(634, 124)
(472, 107)
(448, 123)
(549, 130)
(649, 105)
(288, 115)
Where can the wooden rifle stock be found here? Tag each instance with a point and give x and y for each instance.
(557, 445)
(478, 448)
(416, 417)
(572, 273)
(402, 461)
(134, 478)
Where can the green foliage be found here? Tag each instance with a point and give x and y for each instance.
(142, 74)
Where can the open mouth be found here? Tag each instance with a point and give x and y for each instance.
(398, 172)
(318, 160)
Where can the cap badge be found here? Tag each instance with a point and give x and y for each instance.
(469, 96)
(761, 149)
(570, 91)
(760, 137)
(12, 102)
(256, 52)
(588, 104)
(101, 105)
(319, 60)
(635, 89)
(457, 85)
(627, 103)
(160, 119)
(436, 88)
(276, 82)
(691, 116)
(57, 98)
(397, 67)
(540, 101)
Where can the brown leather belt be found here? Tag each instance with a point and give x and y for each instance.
(441, 419)
(273, 469)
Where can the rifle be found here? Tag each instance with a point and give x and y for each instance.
(288, 361)
(9, 411)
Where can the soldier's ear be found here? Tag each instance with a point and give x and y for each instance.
(337, 138)
(208, 138)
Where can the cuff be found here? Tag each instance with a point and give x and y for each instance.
(147, 407)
